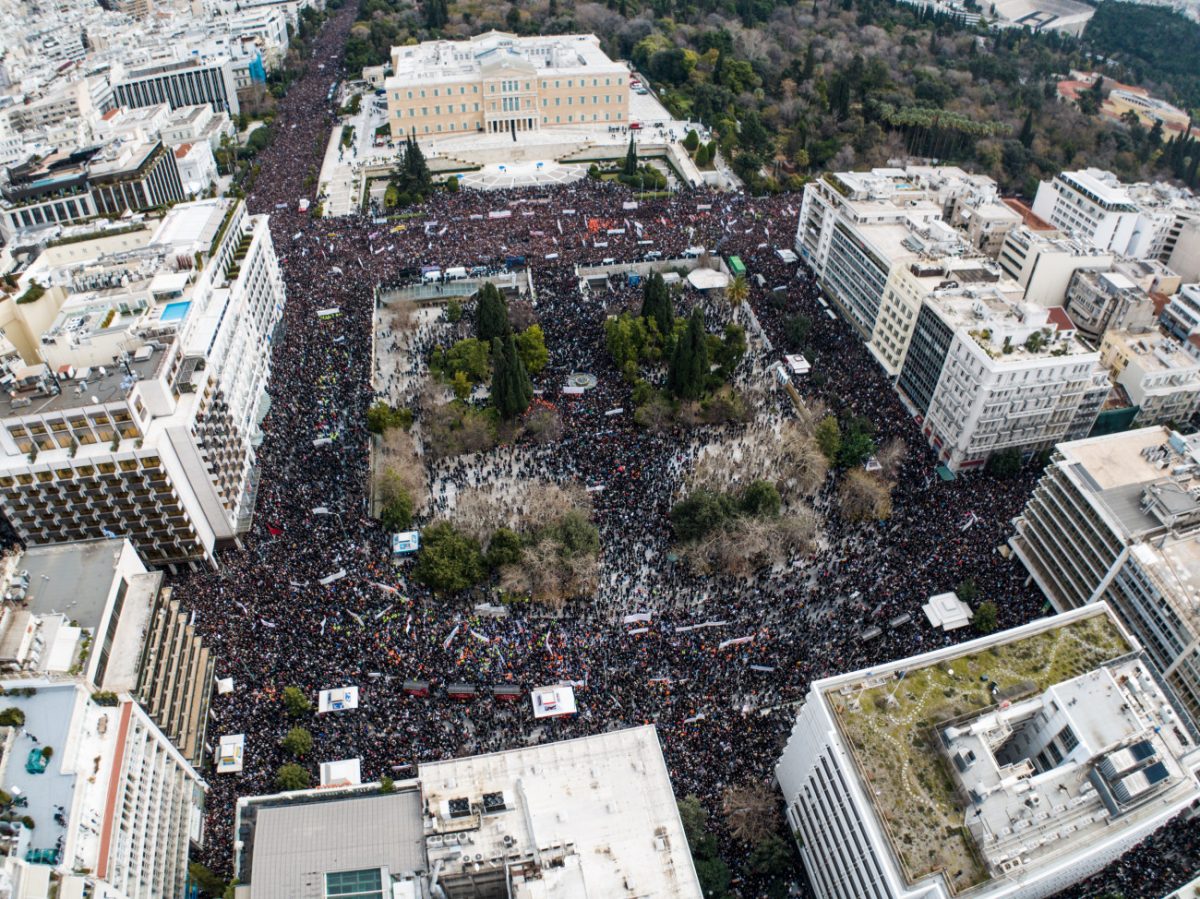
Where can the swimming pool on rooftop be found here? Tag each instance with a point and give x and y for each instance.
(174, 312)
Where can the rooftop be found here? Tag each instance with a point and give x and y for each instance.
(888, 717)
(1154, 352)
(602, 804)
(296, 842)
(1118, 469)
(439, 60)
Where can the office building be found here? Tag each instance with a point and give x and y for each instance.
(197, 124)
(1043, 263)
(93, 613)
(984, 374)
(592, 816)
(1013, 765)
(136, 408)
(184, 82)
(1117, 518)
(1098, 301)
(1157, 374)
(115, 806)
(97, 181)
(497, 83)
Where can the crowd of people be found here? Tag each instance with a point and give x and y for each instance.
(276, 619)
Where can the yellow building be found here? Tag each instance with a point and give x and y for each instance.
(498, 83)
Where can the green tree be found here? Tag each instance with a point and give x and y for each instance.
(511, 388)
(702, 159)
(700, 513)
(469, 356)
(760, 498)
(531, 347)
(630, 166)
(461, 385)
(656, 303)
(966, 590)
(828, 435)
(857, 446)
(448, 560)
(985, 617)
(737, 293)
(1026, 135)
(298, 742)
(504, 548)
(386, 784)
(397, 511)
(292, 777)
(12, 717)
(692, 141)
(296, 702)
(771, 857)
(1004, 463)
(575, 535)
(491, 314)
(688, 371)
(381, 417)
(208, 882)
(796, 330)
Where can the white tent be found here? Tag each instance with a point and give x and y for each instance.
(707, 279)
(947, 611)
(343, 773)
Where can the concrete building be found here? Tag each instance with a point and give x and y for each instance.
(1044, 262)
(1184, 258)
(116, 807)
(981, 770)
(136, 409)
(1182, 314)
(907, 288)
(1158, 375)
(195, 125)
(983, 374)
(1117, 518)
(92, 613)
(1098, 301)
(1089, 205)
(184, 82)
(64, 188)
(592, 816)
(197, 168)
(501, 83)
(852, 231)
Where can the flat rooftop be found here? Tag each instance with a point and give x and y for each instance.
(98, 390)
(1154, 352)
(602, 804)
(888, 726)
(71, 578)
(1117, 460)
(297, 842)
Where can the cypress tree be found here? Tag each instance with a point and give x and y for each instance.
(631, 159)
(491, 314)
(656, 304)
(689, 363)
(512, 390)
(1026, 135)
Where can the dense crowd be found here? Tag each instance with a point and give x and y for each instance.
(722, 714)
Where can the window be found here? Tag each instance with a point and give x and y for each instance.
(354, 885)
(1069, 740)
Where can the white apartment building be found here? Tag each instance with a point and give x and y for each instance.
(1117, 518)
(1098, 301)
(1090, 205)
(197, 168)
(498, 83)
(1185, 254)
(983, 374)
(197, 124)
(1182, 315)
(1142, 221)
(131, 804)
(1160, 377)
(591, 816)
(980, 770)
(852, 231)
(137, 408)
(908, 286)
(1044, 262)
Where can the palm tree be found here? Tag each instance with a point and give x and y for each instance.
(737, 293)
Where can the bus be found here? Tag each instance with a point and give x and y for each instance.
(736, 266)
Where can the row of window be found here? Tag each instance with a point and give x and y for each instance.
(558, 120)
(505, 87)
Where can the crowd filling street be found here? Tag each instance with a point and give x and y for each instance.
(722, 714)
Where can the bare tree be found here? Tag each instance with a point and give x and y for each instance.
(864, 496)
(892, 457)
(750, 811)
